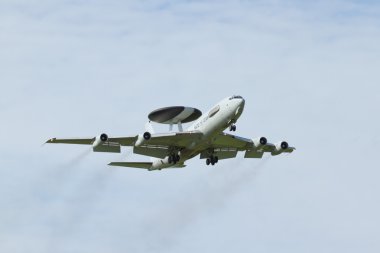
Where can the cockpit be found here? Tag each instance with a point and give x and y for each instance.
(236, 97)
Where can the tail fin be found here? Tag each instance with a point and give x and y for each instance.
(141, 165)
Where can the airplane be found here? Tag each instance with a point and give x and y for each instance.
(205, 137)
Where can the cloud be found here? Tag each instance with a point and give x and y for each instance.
(163, 230)
(308, 72)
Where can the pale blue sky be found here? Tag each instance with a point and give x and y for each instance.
(309, 72)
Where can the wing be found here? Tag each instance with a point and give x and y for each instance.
(83, 141)
(157, 145)
(123, 141)
(160, 145)
(231, 141)
(111, 145)
(226, 146)
(179, 139)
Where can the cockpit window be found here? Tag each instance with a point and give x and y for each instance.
(214, 111)
(235, 97)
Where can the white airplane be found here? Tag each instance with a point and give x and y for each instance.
(204, 137)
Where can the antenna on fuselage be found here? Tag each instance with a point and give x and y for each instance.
(180, 129)
(179, 124)
(149, 127)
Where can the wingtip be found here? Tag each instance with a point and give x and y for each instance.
(51, 140)
(48, 141)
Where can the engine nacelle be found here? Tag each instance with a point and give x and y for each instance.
(142, 138)
(260, 141)
(100, 139)
(281, 146)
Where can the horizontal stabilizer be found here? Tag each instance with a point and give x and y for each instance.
(144, 165)
(141, 165)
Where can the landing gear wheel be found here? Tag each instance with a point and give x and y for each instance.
(213, 160)
(170, 160)
(177, 158)
(233, 127)
(174, 158)
(208, 161)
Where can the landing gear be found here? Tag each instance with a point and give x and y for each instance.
(174, 158)
(233, 127)
(212, 160)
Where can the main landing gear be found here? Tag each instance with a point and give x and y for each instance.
(212, 160)
(174, 158)
(233, 127)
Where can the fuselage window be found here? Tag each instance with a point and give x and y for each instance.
(214, 111)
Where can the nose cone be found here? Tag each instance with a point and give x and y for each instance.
(237, 102)
(242, 102)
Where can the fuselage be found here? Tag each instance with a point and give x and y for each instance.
(215, 121)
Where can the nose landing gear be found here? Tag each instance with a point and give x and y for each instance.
(233, 127)
(212, 160)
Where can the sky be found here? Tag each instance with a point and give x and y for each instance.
(308, 70)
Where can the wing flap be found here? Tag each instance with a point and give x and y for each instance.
(231, 141)
(221, 153)
(107, 147)
(179, 139)
(253, 154)
(124, 141)
(154, 151)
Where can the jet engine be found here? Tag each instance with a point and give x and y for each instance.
(142, 138)
(99, 140)
(259, 142)
(281, 146)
